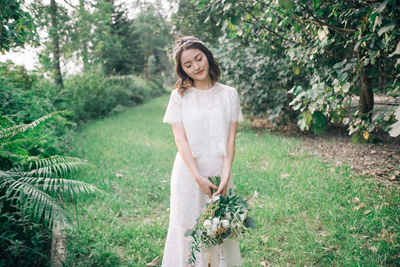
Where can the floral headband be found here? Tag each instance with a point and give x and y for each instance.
(180, 47)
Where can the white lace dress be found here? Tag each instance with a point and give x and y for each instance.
(206, 115)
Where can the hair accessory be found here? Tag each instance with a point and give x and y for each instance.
(180, 47)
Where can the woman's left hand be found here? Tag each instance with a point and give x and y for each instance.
(221, 189)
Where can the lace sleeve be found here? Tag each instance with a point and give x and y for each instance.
(173, 113)
(236, 110)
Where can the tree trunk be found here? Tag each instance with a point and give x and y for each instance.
(58, 246)
(82, 31)
(56, 46)
(366, 96)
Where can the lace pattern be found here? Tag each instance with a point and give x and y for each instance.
(206, 115)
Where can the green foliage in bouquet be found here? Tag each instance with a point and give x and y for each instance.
(215, 180)
(221, 218)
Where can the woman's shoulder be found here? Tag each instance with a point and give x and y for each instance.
(175, 93)
(227, 88)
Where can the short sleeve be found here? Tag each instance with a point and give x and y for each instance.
(173, 113)
(236, 110)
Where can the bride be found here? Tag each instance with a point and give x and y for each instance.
(204, 115)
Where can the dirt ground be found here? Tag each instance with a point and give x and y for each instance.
(380, 159)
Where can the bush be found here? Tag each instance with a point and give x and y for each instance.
(22, 242)
(26, 96)
(32, 192)
(92, 95)
(20, 99)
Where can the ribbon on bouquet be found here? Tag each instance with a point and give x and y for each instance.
(221, 259)
(214, 198)
(220, 247)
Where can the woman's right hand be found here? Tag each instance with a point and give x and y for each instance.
(206, 185)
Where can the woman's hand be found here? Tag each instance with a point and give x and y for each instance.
(205, 185)
(221, 189)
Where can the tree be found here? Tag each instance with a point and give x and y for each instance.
(56, 45)
(327, 51)
(196, 19)
(54, 19)
(16, 26)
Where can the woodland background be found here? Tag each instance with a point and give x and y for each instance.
(323, 67)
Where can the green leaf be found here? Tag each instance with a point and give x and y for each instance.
(231, 26)
(250, 222)
(235, 20)
(396, 51)
(318, 123)
(297, 106)
(343, 76)
(304, 120)
(381, 7)
(284, 3)
(386, 28)
(316, 4)
(189, 232)
(346, 87)
(227, 6)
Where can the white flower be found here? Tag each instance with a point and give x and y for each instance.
(211, 233)
(215, 221)
(225, 223)
(228, 216)
(207, 224)
(214, 228)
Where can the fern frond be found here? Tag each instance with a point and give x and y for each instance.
(13, 130)
(58, 169)
(5, 122)
(7, 154)
(59, 185)
(34, 201)
(45, 162)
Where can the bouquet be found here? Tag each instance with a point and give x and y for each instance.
(222, 217)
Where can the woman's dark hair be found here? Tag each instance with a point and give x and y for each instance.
(185, 82)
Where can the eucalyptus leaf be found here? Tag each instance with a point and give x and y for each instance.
(250, 222)
(188, 232)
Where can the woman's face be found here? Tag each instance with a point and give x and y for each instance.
(195, 64)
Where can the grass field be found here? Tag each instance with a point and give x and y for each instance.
(307, 213)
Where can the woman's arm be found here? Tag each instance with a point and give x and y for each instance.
(186, 153)
(228, 159)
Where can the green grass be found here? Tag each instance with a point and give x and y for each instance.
(305, 212)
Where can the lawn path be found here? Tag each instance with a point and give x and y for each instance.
(307, 213)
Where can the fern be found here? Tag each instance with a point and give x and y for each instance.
(36, 186)
(5, 122)
(13, 130)
(33, 201)
(59, 185)
(55, 166)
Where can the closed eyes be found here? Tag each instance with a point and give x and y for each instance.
(198, 59)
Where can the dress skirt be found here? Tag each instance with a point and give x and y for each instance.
(186, 203)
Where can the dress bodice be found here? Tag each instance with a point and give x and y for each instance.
(205, 115)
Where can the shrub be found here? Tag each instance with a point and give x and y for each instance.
(92, 95)
(32, 192)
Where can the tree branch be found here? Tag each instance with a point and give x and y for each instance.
(280, 11)
(266, 28)
(322, 23)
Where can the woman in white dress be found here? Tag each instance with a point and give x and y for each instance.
(204, 115)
